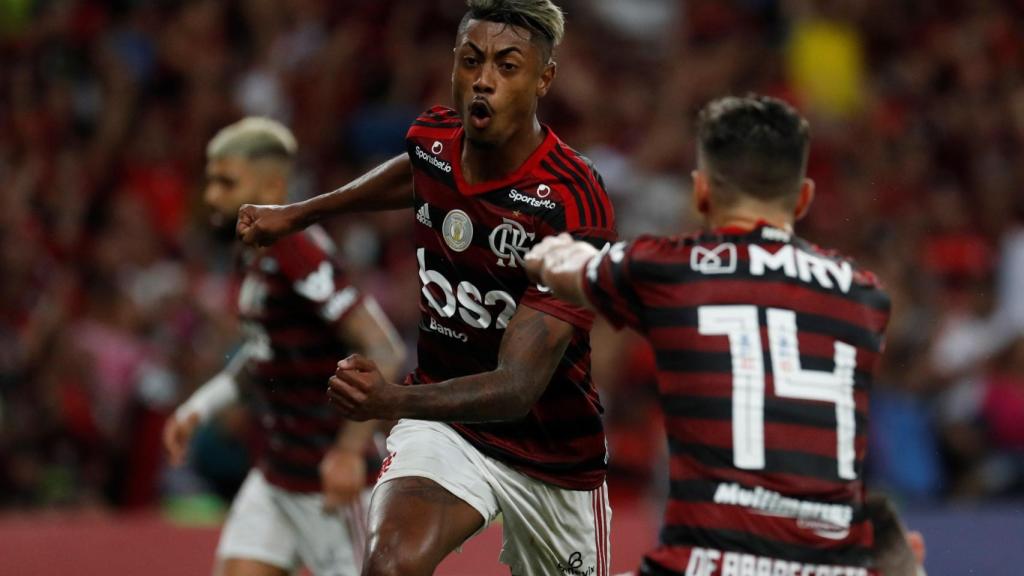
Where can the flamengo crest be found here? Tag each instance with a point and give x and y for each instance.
(508, 242)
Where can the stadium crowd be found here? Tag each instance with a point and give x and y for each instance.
(116, 298)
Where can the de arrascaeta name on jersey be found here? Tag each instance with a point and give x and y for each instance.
(792, 261)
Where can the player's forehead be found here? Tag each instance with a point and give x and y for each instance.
(231, 166)
(495, 37)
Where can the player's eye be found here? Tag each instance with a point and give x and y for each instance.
(469, 61)
(508, 67)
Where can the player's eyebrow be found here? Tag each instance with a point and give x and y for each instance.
(509, 50)
(474, 47)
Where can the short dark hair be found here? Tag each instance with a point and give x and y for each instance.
(542, 18)
(891, 553)
(753, 145)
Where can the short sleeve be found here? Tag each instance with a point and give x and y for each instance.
(306, 261)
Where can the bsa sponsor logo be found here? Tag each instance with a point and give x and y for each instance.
(443, 330)
(457, 230)
(433, 160)
(508, 242)
(517, 196)
(718, 260)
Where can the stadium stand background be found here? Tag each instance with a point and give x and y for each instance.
(115, 297)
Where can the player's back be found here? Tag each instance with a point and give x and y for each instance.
(766, 349)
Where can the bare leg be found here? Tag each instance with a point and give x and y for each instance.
(414, 524)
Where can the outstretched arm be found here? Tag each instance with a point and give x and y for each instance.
(533, 345)
(558, 263)
(386, 187)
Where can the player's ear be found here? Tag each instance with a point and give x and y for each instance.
(547, 76)
(701, 192)
(806, 197)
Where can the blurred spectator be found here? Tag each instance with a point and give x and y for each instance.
(115, 296)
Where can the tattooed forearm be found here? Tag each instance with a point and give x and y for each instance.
(530, 352)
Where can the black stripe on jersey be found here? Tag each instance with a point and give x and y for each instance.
(319, 412)
(649, 567)
(317, 441)
(596, 177)
(776, 410)
(425, 124)
(775, 461)
(582, 189)
(445, 114)
(704, 491)
(564, 429)
(595, 463)
(843, 331)
(290, 469)
(565, 181)
(737, 541)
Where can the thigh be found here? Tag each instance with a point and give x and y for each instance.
(414, 523)
(256, 529)
(552, 530)
(433, 495)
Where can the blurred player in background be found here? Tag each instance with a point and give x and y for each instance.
(302, 505)
(500, 416)
(766, 348)
(896, 552)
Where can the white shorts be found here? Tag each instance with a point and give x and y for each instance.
(290, 529)
(548, 530)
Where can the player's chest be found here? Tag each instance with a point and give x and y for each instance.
(263, 291)
(486, 231)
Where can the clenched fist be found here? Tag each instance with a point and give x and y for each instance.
(264, 225)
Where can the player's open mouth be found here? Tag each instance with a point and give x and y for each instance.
(479, 114)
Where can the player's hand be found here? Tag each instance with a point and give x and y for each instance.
(264, 225)
(360, 392)
(343, 476)
(535, 258)
(177, 435)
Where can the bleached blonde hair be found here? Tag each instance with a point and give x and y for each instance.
(543, 18)
(253, 138)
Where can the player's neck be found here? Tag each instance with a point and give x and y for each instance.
(484, 164)
(743, 220)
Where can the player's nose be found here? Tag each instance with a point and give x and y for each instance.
(484, 82)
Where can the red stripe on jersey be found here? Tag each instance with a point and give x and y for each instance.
(762, 293)
(682, 467)
(709, 515)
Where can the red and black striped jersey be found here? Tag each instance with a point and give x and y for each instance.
(766, 348)
(292, 297)
(470, 243)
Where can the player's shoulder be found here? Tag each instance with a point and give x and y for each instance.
(862, 277)
(313, 243)
(580, 187)
(438, 118)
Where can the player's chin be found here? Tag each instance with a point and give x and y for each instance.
(222, 224)
(485, 139)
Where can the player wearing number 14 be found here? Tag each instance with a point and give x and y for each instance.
(766, 347)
